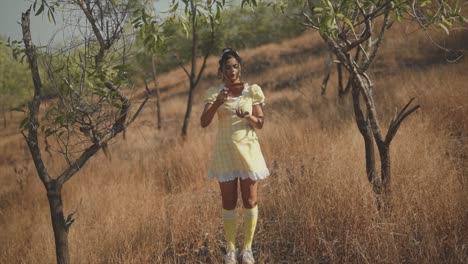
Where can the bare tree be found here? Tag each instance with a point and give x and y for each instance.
(340, 34)
(92, 107)
(360, 26)
(198, 13)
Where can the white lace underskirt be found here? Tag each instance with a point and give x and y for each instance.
(230, 176)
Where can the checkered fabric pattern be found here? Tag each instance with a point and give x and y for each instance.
(237, 152)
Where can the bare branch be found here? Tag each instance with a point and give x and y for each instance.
(350, 79)
(398, 119)
(146, 87)
(366, 90)
(185, 70)
(138, 111)
(78, 164)
(378, 12)
(311, 23)
(363, 50)
(364, 36)
(107, 43)
(376, 45)
(119, 124)
(87, 11)
(32, 139)
(385, 7)
(207, 54)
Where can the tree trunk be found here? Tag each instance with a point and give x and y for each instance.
(366, 133)
(59, 225)
(188, 112)
(158, 100)
(53, 189)
(385, 166)
(192, 75)
(370, 158)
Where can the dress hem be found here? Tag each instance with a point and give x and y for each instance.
(230, 176)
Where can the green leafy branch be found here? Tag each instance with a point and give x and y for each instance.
(49, 6)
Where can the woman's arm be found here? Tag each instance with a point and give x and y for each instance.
(208, 114)
(256, 119)
(211, 108)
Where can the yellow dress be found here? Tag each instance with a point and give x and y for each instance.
(237, 152)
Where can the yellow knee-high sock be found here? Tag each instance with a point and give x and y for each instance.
(230, 225)
(250, 222)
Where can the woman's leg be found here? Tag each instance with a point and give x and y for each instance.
(249, 199)
(229, 194)
(249, 193)
(229, 197)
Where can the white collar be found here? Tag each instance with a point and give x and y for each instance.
(246, 86)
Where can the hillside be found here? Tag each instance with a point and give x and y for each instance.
(152, 202)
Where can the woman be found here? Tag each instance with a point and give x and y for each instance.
(237, 156)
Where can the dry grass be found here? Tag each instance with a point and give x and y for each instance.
(152, 202)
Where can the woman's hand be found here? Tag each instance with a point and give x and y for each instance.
(222, 97)
(255, 119)
(242, 114)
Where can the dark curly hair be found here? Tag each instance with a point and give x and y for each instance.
(227, 54)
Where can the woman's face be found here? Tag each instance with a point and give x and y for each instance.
(231, 71)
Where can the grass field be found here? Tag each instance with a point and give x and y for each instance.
(152, 202)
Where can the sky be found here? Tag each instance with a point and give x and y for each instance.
(41, 29)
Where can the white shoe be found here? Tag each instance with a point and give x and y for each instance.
(231, 256)
(246, 256)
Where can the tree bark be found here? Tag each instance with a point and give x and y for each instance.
(59, 224)
(188, 112)
(343, 91)
(385, 166)
(53, 187)
(32, 138)
(362, 88)
(192, 76)
(366, 133)
(158, 100)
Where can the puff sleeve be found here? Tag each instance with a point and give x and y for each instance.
(257, 95)
(211, 95)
